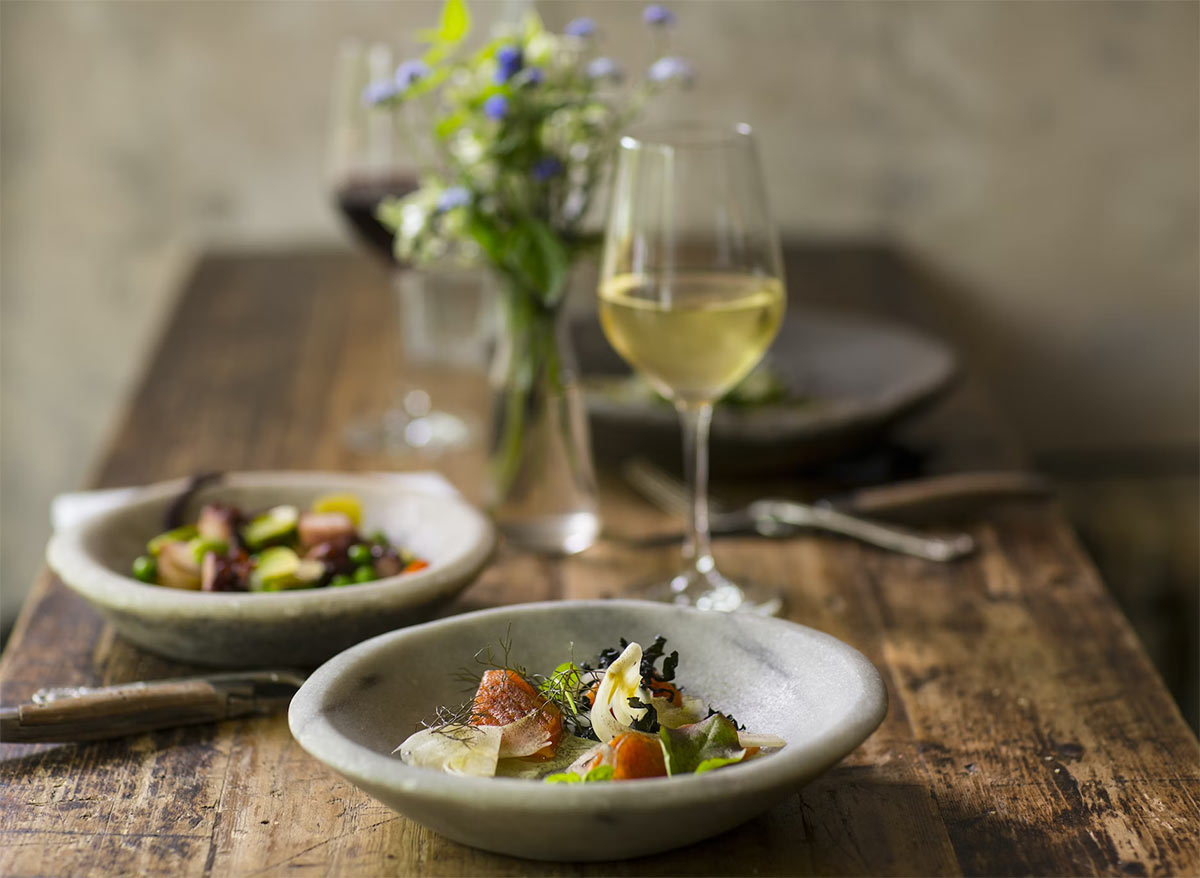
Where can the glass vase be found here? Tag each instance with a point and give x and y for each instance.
(542, 489)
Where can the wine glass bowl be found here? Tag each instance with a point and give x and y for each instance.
(444, 309)
(691, 295)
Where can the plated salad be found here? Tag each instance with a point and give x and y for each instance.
(279, 549)
(622, 718)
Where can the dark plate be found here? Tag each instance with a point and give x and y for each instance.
(848, 379)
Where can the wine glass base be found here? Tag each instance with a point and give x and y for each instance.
(713, 591)
(397, 433)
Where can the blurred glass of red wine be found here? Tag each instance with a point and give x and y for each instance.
(357, 199)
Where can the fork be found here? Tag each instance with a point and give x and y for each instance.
(775, 517)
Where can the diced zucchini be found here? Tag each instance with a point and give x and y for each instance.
(179, 535)
(201, 546)
(272, 526)
(280, 569)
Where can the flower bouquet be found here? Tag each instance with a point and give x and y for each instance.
(522, 131)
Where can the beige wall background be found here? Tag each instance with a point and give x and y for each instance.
(1042, 155)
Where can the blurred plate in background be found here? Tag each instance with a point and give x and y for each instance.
(846, 380)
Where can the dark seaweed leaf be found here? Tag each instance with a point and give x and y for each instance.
(649, 722)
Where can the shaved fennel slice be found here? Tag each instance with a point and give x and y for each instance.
(524, 737)
(691, 711)
(470, 751)
(611, 713)
(764, 742)
(570, 748)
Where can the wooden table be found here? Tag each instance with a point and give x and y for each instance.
(1027, 733)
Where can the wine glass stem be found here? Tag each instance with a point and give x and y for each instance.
(697, 551)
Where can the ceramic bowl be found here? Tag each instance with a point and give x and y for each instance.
(819, 694)
(298, 628)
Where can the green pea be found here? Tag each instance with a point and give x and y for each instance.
(359, 554)
(340, 579)
(145, 568)
(364, 574)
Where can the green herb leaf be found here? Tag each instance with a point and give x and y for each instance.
(599, 773)
(716, 762)
(701, 746)
(596, 775)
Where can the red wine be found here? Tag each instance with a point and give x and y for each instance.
(357, 199)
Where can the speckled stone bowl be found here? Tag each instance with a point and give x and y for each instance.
(297, 628)
(822, 696)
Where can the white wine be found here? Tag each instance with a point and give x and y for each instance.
(693, 336)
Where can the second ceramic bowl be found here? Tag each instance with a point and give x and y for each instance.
(292, 628)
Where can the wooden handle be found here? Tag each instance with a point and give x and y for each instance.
(114, 712)
(944, 496)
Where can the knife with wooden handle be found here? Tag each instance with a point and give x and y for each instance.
(941, 498)
(93, 714)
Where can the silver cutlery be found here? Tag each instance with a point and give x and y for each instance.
(776, 517)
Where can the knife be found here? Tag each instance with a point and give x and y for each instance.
(938, 497)
(99, 713)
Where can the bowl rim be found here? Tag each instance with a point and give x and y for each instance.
(373, 770)
(68, 557)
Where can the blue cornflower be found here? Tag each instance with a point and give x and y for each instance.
(580, 27)
(659, 16)
(378, 92)
(455, 196)
(496, 107)
(508, 61)
(409, 72)
(546, 167)
(532, 76)
(665, 69)
(603, 68)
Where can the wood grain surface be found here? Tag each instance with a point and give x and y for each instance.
(1027, 733)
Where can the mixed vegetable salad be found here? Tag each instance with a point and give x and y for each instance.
(622, 719)
(279, 549)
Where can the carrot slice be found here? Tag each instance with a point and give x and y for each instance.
(663, 689)
(637, 754)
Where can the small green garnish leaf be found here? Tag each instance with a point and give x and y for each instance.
(562, 686)
(599, 773)
(716, 762)
(701, 746)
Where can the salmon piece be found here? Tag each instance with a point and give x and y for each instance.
(633, 755)
(505, 696)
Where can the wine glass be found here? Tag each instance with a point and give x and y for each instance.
(444, 309)
(691, 294)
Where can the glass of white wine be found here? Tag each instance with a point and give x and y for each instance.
(691, 295)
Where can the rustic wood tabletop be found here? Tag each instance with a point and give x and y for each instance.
(1027, 732)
